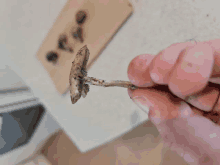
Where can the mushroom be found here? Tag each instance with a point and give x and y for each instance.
(79, 82)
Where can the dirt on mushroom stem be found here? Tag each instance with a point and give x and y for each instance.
(79, 81)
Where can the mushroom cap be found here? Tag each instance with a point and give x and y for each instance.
(76, 75)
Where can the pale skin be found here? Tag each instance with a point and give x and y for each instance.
(184, 104)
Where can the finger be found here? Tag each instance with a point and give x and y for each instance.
(216, 108)
(164, 62)
(193, 135)
(161, 97)
(215, 80)
(203, 100)
(206, 99)
(138, 70)
(157, 97)
(140, 66)
(215, 44)
(192, 70)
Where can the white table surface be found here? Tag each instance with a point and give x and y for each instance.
(106, 112)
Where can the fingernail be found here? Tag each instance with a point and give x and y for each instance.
(142, 103)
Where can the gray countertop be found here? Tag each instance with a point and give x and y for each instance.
(106, 112)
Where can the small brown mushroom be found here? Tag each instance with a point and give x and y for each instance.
(79, 82)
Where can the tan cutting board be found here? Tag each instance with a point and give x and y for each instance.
(104, 18)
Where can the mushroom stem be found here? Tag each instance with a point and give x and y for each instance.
(118, 83)
(79, 82)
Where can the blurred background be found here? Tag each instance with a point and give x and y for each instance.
(39, 125)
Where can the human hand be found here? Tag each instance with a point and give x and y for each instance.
(183, 97)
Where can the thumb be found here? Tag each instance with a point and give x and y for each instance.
(182, 127)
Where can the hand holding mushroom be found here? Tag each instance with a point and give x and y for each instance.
(180, 90)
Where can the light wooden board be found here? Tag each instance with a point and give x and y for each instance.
(104, 18)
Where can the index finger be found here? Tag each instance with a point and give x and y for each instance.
(215, 44)
(192, 70)
(164, 62)
(141, 67)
